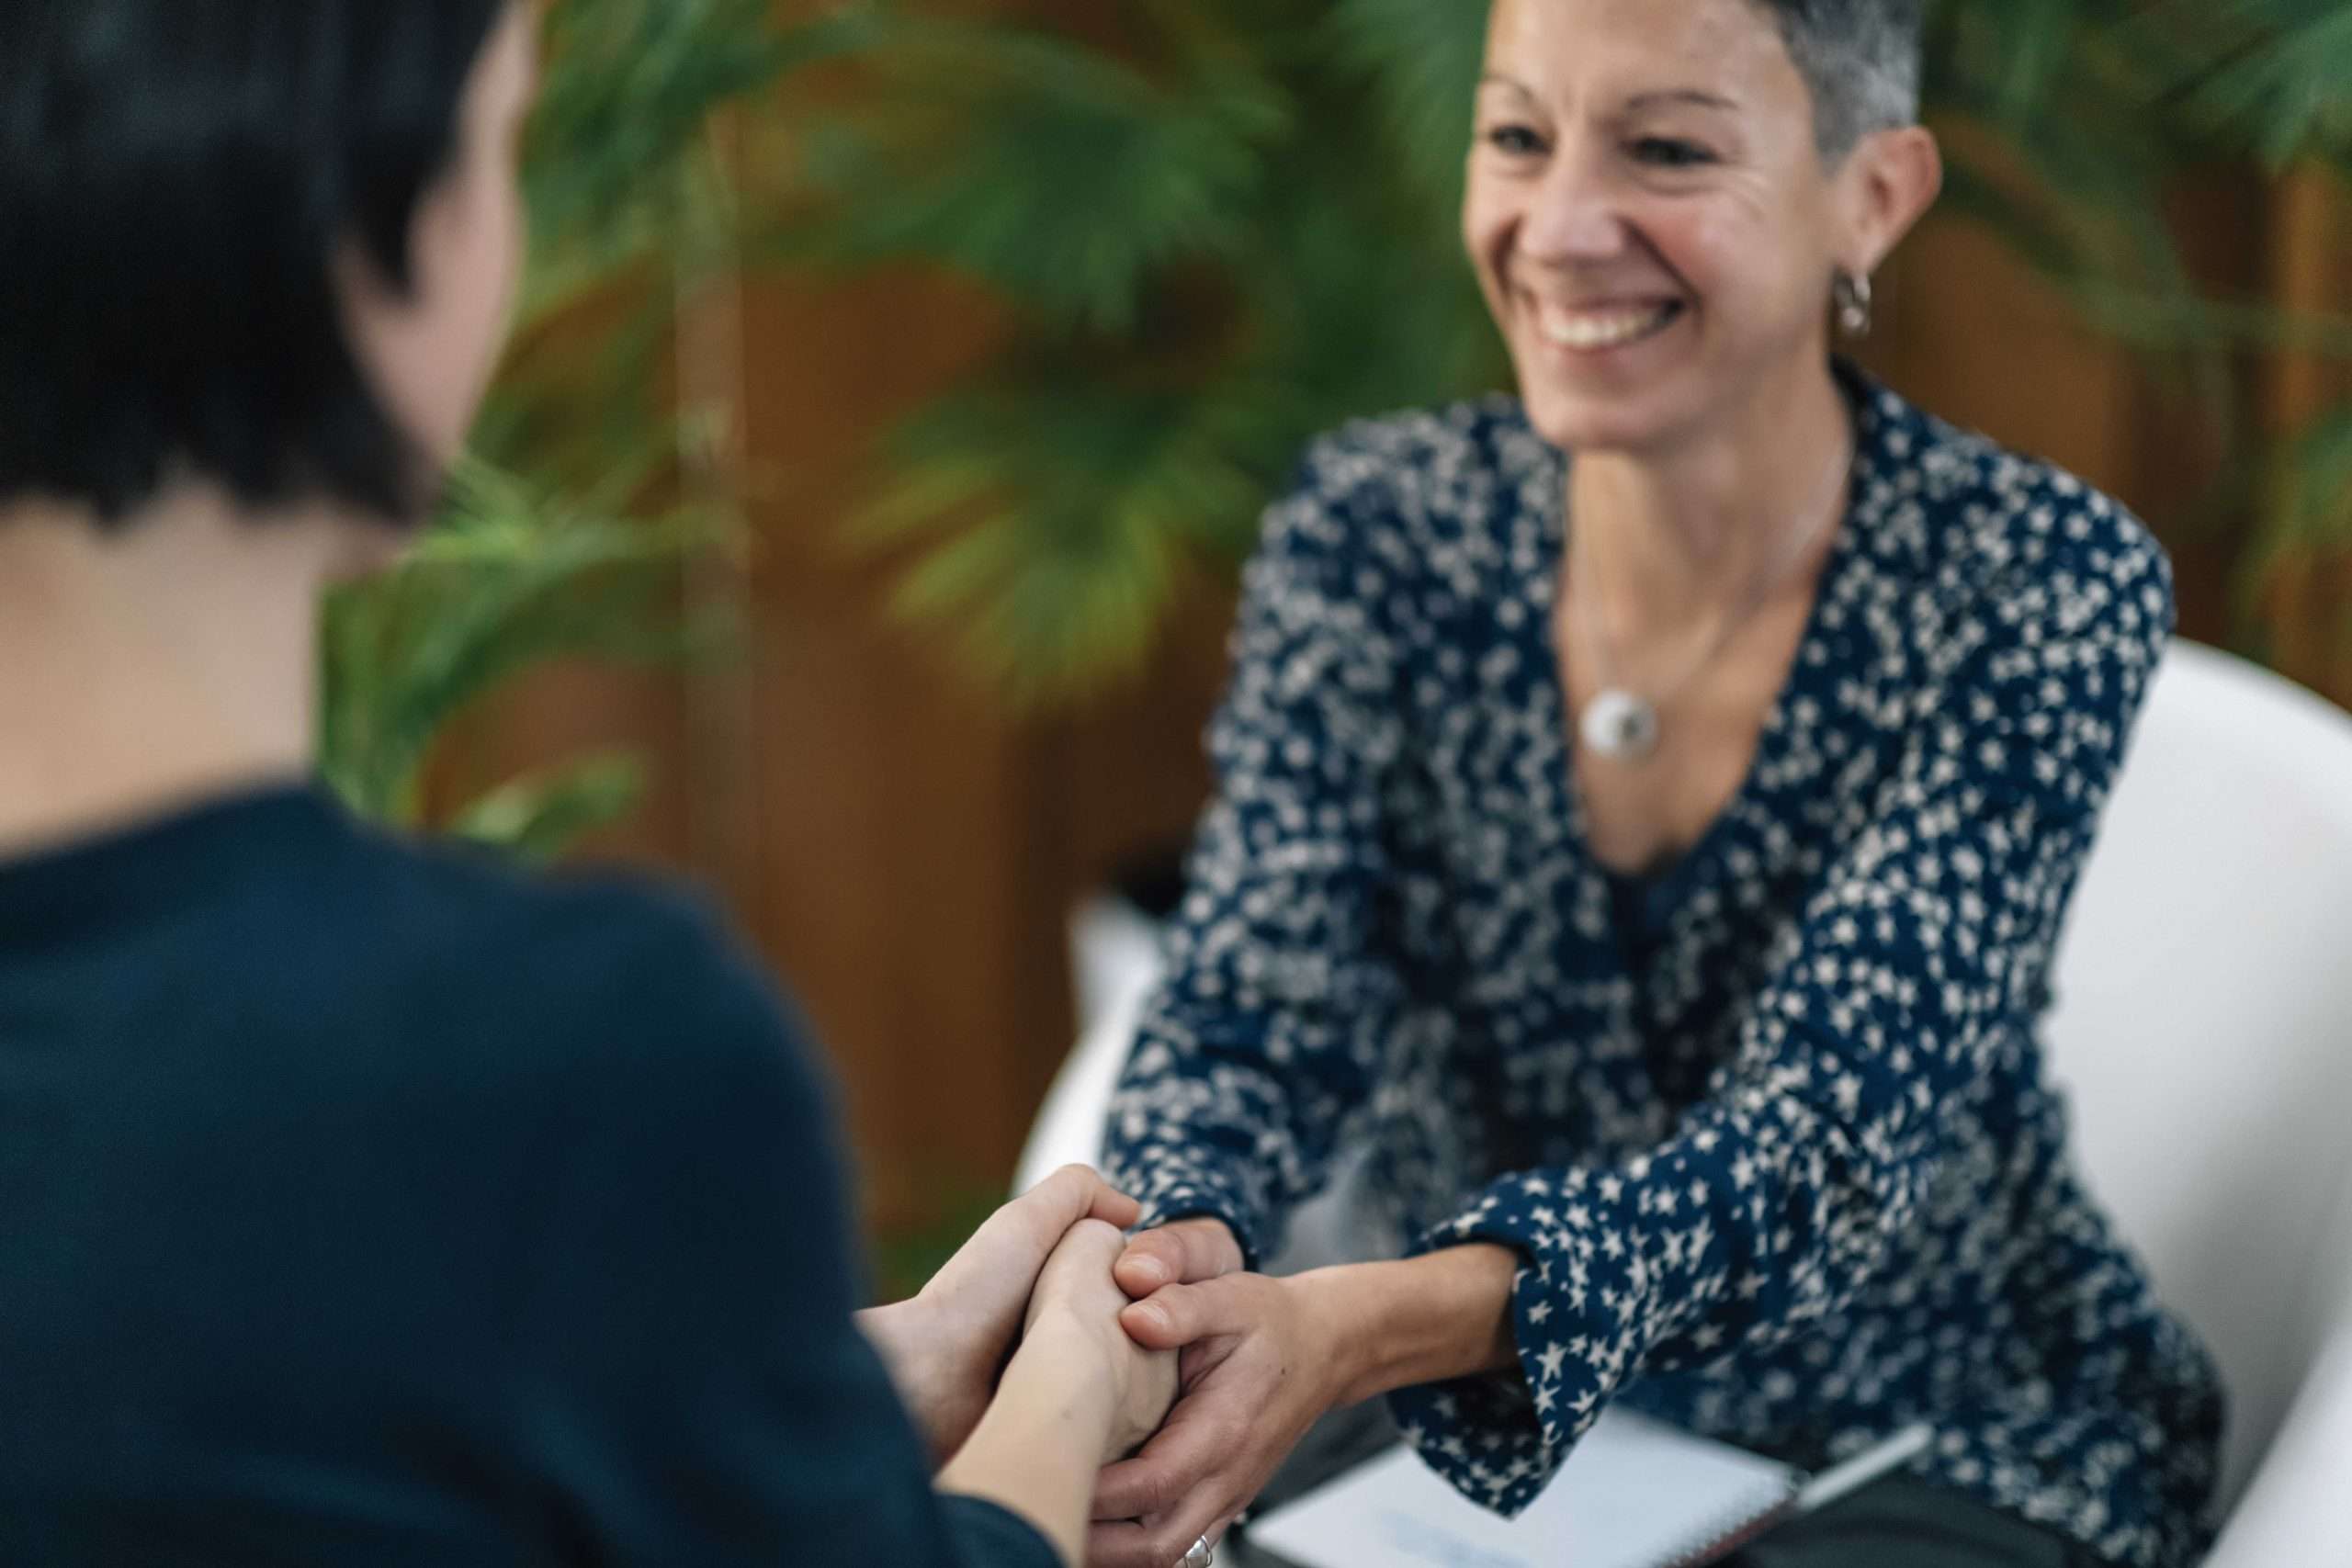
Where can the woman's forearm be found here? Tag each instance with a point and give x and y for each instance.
(1429, 1319)
(1037, 1449)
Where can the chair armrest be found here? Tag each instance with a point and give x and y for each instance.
(2294, 1510)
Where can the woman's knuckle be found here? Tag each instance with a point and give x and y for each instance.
(1162, 1491)
(1169, 1541)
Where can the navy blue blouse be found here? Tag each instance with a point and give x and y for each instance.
(1786, 1167)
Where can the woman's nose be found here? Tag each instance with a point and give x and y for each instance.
(1574, 215)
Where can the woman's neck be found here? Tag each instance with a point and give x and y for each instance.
(1678, 538)
(167, 663)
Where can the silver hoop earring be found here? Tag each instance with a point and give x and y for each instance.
(1853, 296)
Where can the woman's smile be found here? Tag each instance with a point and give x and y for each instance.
(1581, 330)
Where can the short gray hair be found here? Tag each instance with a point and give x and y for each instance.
(1861, 58)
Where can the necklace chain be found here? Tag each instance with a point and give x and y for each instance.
(1599, 639)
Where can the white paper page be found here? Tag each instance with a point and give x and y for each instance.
(1634, 1494)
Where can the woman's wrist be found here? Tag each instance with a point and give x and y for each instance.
(1038, 1446)
(1397, 1325)
(910, 1340)
(897, 1334)
(1066, 1364)
(1059, 1347)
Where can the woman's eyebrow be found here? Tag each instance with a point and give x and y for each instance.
(1511, 83)
(1666, 98)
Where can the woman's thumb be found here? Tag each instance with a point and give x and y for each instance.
(1176, 1315)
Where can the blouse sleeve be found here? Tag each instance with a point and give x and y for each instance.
(1264, 1033)
(1778, 1195)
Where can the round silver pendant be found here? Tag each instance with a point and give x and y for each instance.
(1619, 726)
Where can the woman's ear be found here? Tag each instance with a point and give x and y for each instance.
(1887, 185)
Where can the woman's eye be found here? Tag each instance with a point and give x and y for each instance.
(1517, 141)
(1667, 153)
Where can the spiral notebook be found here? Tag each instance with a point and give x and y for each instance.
(1633, 1494)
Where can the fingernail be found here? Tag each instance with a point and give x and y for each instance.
(1150, 1269)
(1154, 1314)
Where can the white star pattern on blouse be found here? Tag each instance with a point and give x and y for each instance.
(1794, 1177)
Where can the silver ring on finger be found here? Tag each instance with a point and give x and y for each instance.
(1203, 1555)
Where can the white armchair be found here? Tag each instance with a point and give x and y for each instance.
(1117, 958)
(2204, 1028)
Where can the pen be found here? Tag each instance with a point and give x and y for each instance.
(1840, 1480)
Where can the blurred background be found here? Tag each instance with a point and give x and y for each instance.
(898, 388)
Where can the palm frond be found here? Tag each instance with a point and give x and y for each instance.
(537, 816)
(2314, 480)
(629, 208)
(1054, 528)
(2270, 76)
(1061, 177)
(512, 580)
(1421, 62)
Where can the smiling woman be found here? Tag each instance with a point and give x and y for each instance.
(1647, 806)
(1693, 131)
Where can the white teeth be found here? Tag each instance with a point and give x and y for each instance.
(1598, 329)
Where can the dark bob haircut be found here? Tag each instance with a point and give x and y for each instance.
(176, 179)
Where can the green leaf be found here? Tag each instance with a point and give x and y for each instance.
(2315, 483)
(511, 580)
(2267, 75)
(1060, 524)
(538, 557)
(540, 817)
(1422, 61)
(1065, 180)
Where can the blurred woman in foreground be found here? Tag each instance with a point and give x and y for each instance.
(360, 1201)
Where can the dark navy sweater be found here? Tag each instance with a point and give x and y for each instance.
(364, 1204)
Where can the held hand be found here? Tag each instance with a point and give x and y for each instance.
(1184, 1253)
(1074, 1312)
(1258, 1370)
(948, 1345)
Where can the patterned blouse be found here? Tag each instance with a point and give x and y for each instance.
(1780, 1157)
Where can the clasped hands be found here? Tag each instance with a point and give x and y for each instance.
(1217, 1373)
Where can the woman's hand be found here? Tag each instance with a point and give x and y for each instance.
(1077, 1392)
(1074, 1312)
(946, 1347)
(1184, 1253)
(1259, 1367)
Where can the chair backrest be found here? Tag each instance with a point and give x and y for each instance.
(2204, 1019)
(1114, 959)
(1116, 956)
(2294, 1510)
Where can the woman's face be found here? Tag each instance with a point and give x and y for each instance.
(431, 352)
(1648, 213)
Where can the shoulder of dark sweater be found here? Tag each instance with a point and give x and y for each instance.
(384, 988)
(593, 969)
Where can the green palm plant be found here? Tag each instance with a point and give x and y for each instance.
(1232, 225)
(565, 536)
